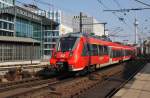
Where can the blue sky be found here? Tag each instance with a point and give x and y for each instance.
(93, 8)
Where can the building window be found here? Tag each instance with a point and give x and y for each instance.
(4, 25)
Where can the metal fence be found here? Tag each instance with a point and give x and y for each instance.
(19, 51)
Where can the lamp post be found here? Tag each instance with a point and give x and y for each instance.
(136, 26)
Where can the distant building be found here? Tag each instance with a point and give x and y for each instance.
(65, 26)
(64, 19)
(98, 29)
(85, 20)
(6, 3)
(6, 20)
(29, 21)
(88, 25)
(50, 36)
(65, 23)
(51, 32)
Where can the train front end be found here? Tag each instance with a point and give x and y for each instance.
(65, 54)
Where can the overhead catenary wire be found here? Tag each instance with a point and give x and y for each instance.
(119, 6)
(129, 9)
(117, 3)
(120, 19)
(143, 3)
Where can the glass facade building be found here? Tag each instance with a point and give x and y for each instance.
(24, 28)
(16, 43)
(6, 3)
(6, 21)
(50, 38)
(28, 28)
(51, 34)
(47, 34)
(19, 22)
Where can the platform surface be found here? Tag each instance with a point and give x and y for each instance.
(138, 87)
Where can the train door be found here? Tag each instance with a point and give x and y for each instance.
(85, 55)
(110, 55)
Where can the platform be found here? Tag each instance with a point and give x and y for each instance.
(138, 87)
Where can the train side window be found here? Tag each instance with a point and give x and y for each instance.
(116, 53)
(85, 51)
(94, 50)
(88, 47)
(127, 52)
(111, 53)
(120, 53)
(105, 50)
(101, 50)
(124, 52)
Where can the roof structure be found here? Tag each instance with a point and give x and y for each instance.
(18, 39)
(26, 14)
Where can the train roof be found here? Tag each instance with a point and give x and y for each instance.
(79, 34)
(98, 39)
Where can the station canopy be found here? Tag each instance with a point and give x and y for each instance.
(18, 39)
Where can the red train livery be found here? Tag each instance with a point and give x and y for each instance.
(79, 51)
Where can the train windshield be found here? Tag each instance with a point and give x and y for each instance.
(66, 44)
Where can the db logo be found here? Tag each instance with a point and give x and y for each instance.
(62, 55)
(100, 58)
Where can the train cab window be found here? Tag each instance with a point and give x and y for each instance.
(66, 44)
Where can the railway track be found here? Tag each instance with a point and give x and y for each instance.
(30, 83)
(12, 88)
(2, 85)
(107, 81)
(64, 88)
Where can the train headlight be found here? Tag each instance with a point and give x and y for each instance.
(54, 54)
(71, 54)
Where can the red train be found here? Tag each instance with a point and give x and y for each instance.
(81, 52)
